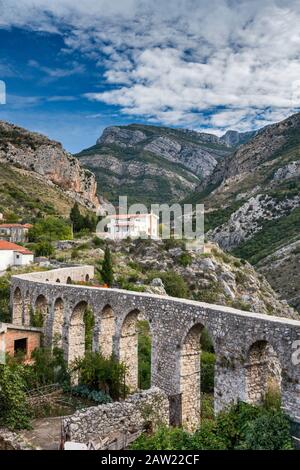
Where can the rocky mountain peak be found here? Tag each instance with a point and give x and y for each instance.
(38, 154)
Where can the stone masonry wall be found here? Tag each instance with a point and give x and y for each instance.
(103, 423)
(172, 324)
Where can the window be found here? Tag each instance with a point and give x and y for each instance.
(20, 346)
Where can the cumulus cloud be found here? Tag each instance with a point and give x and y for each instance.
(219, 64)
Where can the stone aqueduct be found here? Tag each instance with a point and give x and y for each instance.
(251, 349)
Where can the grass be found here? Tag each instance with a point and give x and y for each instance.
(28, 197)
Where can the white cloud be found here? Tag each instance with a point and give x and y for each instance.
(218, 64)
(74, 68)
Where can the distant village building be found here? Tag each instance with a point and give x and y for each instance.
(1, 216)
(18, 340)
(15, 233)
(13, 255)
(123, 226)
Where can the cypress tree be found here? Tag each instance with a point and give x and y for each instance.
(76, 218)
(107, 270)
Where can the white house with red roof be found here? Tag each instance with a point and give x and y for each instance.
(13, 255)
(122, 226)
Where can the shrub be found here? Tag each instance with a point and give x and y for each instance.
(5, 315)
(243, 426)
(185, 259)
(98, 242)
(50, 229)
(94, 395)
(49, 367)
(44, 248)
(102, 374)
(269, 431)
(14, 411)
(174, 284)
(36, 318)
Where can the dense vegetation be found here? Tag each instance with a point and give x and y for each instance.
(273, 234)
(241, 427)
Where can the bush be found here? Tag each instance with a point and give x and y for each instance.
(98, 242)
(5, 315)
(94, 395)
(270, 431)
(14, 411)
(174, 284)
(50, 229)
(49, 367)
(101, 374)
(36, 318)
(243, 426)
(185, 259)
(44, 248)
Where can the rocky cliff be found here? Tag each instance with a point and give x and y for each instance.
(45, 158)
(253, 202)
(153, 164)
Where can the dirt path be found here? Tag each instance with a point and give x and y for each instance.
(45, 433)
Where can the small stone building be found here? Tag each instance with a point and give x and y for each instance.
(15, 233)
(18, 340)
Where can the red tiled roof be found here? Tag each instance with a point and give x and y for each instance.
(15, 225)
(7, 246)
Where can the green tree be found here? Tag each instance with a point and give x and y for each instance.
(44, 248)
(14, 411)
(81, 222)
(107, 268)
(76, 218)
(50, 229)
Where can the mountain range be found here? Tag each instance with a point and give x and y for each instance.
(252, 201)
(153, 164)
(249, 183)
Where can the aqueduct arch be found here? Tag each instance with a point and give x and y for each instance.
(128, 352)
(243, 367)
(263, 371)
(41, 308)
(78, 330)
(190, 377)
(107, 331)
(58, 322)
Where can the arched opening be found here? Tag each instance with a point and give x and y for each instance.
(17, 307)
(263, 372)
(87, 278)
(135, 351)
(69, 280)
(39, 314)
(144, 354)
(58, 281)
(81, 331)
(107, 331)
(197, 364)
(58, 322)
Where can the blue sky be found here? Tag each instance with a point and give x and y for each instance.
(72, 69)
